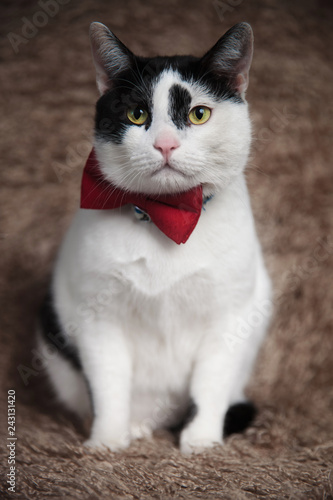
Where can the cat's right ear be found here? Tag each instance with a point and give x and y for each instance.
(110, 56)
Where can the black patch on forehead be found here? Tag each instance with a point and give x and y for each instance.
(179, 105)
(135, 87)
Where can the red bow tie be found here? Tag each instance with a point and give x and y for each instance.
(175, 215)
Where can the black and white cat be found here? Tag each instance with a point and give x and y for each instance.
(144, 323)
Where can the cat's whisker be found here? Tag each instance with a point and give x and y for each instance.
(252, 166)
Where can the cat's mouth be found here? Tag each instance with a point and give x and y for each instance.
(166, 168)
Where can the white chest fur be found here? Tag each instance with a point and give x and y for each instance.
(169, 303)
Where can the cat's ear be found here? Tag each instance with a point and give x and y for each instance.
(231, 57)
(109, 54)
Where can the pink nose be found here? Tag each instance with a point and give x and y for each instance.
(166, 144)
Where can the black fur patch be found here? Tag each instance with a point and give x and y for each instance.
(52, 333)
(239, 416)
(179, 105)
(190, 413)
(135, 86)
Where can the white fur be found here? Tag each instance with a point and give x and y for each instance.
(152, 320)
(224, 146)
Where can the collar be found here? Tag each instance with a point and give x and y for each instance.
(143, 216)
(175, 215)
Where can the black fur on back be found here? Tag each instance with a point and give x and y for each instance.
(52, 332)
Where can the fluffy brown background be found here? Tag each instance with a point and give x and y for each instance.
(48, 95)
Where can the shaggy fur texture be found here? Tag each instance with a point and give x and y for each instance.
(47, 115)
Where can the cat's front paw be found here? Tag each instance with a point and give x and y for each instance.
(112, 443)
(194, 440)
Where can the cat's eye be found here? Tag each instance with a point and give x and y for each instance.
(199, 115)
(137, 115)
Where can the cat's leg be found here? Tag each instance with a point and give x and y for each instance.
(214, 384)
(249, 356)
(107, 365)
(250, 333)
(209, 390)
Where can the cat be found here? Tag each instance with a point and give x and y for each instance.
(161, 272)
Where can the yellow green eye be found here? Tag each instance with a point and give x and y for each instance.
(137, 115)
(199, 115)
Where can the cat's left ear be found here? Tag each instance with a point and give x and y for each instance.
(231, 57)
(110, 55)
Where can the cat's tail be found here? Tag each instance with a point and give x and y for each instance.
(238, 417)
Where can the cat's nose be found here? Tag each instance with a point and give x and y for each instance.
(166, 143)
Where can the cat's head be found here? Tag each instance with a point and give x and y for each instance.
(167, 124)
